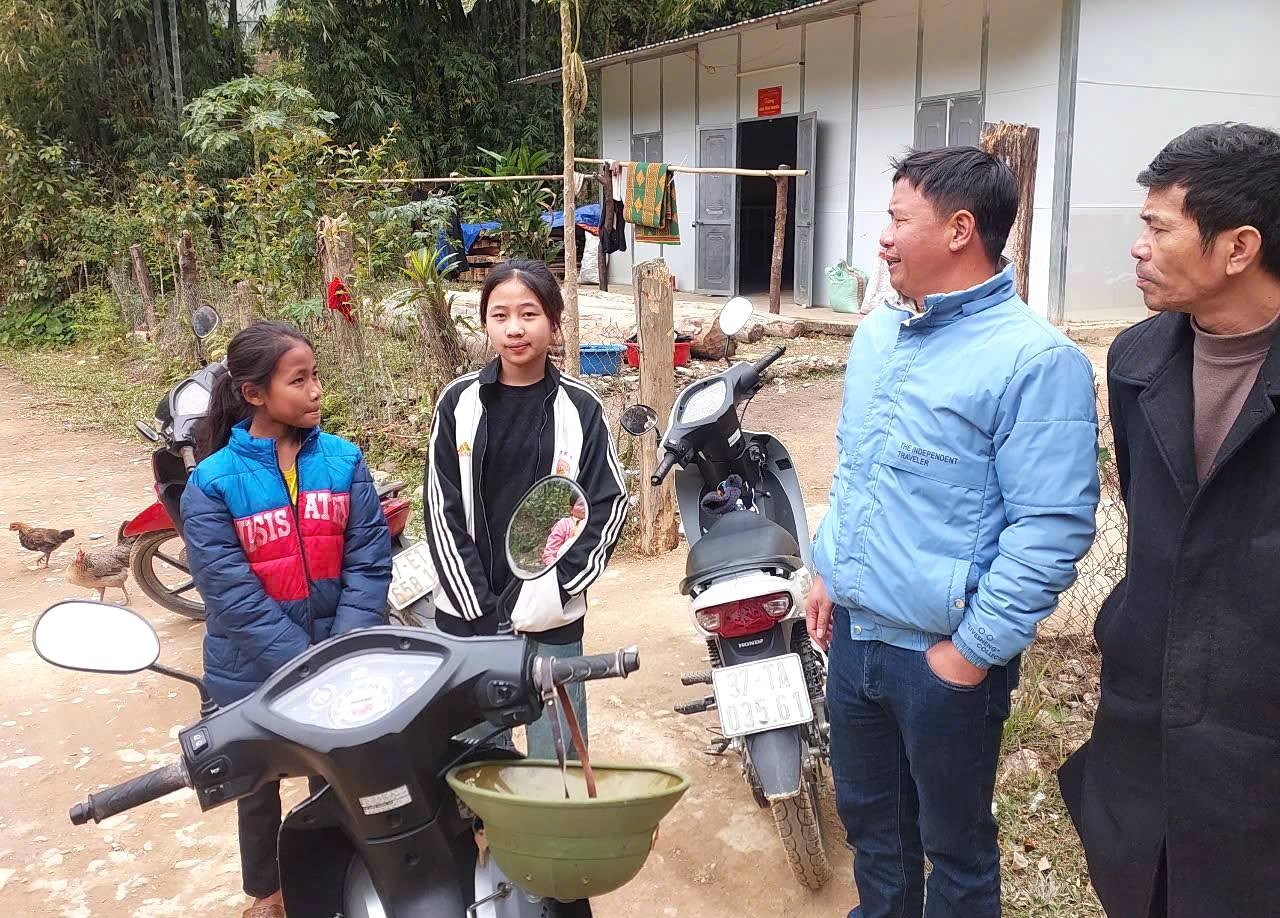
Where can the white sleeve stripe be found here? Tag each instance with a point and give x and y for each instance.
(455, 567)
(617, 515)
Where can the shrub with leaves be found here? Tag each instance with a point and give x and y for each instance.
(517, 206)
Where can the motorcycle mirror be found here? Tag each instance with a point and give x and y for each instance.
(735, 315)
(147, 431)
(546, 522)
(638, 420)
(96, 637)
(205, 321)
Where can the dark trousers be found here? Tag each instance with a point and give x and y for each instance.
(914, 760)
(259, 830)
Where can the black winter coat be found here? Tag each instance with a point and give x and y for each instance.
(1185, 752)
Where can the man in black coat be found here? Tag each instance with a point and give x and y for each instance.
(1177, 793)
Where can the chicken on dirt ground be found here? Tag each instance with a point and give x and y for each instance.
(104, 569)
(44, 541)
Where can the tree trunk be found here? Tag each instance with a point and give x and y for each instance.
(233, 31)
(188, 275)
(164, 82)
(243, 298)
(659, 530)
(1019, 146)
(781, 187)
(522, 48)
(570, 324)
(142, 277)
(179, 102)
(336, 249)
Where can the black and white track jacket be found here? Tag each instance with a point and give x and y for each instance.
(576, 443)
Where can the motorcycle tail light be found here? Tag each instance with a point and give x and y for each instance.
(745, 616)
(397, 512)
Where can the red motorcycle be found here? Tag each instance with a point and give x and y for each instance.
(159, 559)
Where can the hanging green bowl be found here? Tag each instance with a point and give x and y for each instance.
(568, 849)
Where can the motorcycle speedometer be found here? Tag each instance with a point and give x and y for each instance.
(703, 404)
(191, 399)
(358, 690)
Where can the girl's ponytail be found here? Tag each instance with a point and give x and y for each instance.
(227, 408)
(252, 356)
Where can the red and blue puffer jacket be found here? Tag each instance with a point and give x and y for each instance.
(277, 578)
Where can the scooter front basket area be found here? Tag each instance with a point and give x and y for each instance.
(568, 849)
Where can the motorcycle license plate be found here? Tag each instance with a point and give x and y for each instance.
(759, 696)
(413, 576)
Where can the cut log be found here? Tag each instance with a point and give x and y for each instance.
(1018, 145)
(659, 529)
(710, 343)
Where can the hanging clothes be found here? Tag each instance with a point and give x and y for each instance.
(651, 204)
(613, 228)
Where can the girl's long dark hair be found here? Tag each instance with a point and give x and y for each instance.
(252, 356)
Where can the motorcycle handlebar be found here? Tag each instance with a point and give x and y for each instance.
(664, 467)
(134, 792)
(619, 664)
(767, 360)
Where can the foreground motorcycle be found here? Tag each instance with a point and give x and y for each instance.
(746, 578)
(159, 559)
(377, 714)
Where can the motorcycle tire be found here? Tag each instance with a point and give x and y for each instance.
(146, 552)
(799, 825)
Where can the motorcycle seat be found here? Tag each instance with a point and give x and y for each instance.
(738, 542)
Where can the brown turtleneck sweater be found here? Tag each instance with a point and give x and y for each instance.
(1223, 371)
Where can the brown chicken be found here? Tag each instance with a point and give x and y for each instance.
(103, 569)
(44, 541)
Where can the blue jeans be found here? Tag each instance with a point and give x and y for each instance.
(914, 760)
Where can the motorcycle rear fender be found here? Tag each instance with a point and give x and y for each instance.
(776, 755)
(153, 519)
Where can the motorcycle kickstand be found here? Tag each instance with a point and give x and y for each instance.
(718, 746)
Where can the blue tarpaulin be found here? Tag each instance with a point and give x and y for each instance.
(586, 215)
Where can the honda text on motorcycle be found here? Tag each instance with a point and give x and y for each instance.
(746, 578)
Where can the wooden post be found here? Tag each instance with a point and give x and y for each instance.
(188, 275)
(1019, 146)
(243, 298)
(781, 187)
(335, 247)
(142, 277)
(605, 178)
(570, 320)
(659, 530)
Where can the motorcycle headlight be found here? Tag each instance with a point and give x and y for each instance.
(357, 691)
(191, 399)
(704, 403)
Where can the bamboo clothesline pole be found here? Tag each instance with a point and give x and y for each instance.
(717, 170)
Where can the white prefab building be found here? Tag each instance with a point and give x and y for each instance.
(841, 86)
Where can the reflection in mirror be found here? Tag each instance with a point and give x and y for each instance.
(547, 521)
(735, 315)
(204, 321)
(95, 636)
(639, 419)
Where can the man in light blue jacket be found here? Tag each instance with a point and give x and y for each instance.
(963, 497)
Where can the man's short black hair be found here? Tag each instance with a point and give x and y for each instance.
(965, 178)
(1231, 175)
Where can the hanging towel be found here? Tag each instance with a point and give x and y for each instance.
(651, 204)
(619, 171)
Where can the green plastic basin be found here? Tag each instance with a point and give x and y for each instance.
(575, 848)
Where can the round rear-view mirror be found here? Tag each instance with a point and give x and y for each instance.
(204, 321)
(639, 420)
(547, 521)
(735, 315)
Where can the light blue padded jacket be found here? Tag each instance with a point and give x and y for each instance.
(967, 477)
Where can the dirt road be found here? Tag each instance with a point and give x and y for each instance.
(64, 734)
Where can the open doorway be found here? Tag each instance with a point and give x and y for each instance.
(764, 144)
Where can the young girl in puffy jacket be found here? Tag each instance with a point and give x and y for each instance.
(287, 545)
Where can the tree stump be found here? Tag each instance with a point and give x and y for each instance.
(335, 248)
(142, 277)
(245, 303)
(655, 311)
(1019, 146)
(188, 276)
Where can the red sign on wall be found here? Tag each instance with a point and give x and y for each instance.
(768, 101)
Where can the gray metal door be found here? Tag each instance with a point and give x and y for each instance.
(964, 124)
(806, 158)
(715, 233)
